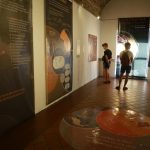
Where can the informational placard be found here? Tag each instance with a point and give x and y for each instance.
(58, 48)
(16, 71)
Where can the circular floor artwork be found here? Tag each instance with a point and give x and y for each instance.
(124, 122)
(84, 118)
(107, 129)
(79, 127)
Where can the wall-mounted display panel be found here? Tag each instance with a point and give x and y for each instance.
(58, 48)
(16, 68)
(135, 31)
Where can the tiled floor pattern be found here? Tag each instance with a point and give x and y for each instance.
(48, 130)
(136, 99)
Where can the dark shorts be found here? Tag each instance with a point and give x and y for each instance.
(126, 69)
(106, 65)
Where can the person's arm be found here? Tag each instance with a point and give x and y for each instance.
(131, 57)
(120, 55)
(110, 56)
(106, 58)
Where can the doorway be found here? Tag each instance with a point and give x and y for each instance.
(135, 31)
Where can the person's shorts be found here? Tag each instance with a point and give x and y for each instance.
(106, 65)
(126, 69)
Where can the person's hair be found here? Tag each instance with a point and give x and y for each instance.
(105, 44)
(127, 44)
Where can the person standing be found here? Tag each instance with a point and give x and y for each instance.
(106, 62)
(126, 58)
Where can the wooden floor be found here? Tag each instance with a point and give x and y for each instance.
(42, 132)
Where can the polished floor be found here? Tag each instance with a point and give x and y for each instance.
(95, 117)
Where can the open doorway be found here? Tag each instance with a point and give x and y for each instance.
(135, 31)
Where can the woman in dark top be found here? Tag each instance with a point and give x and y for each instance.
(106, 62)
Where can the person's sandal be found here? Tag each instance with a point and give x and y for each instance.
(125, 88)
(118, 88)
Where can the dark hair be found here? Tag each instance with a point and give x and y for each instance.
(105, 44)
(127, 44)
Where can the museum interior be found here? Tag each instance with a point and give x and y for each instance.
(52, 90)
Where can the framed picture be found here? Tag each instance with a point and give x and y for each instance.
(92, 47)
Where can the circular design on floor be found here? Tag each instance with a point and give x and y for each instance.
(84, 118)
(79, 127)
(98, 128)
(124, 122)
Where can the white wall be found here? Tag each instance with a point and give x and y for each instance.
(39, 54)
(108, 34)
(83, 71)
(128, 8)
(84, 23)
(119, 9)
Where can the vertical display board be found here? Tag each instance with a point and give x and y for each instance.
(135, 31)
(16, 70)
(58, 48)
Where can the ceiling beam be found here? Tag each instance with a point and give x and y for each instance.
(93, 6)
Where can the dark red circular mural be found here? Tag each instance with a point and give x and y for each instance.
(97, 128)
(124, 122)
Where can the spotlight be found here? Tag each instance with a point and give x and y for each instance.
(98, 17)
